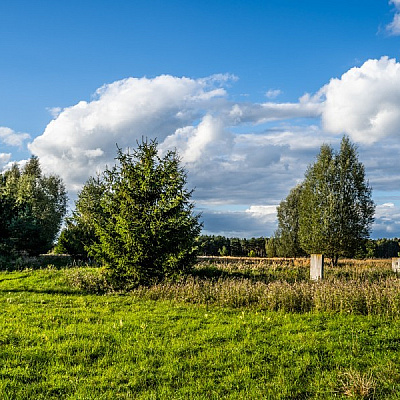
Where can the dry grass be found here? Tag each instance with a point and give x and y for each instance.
(356, 287)
(358, 385)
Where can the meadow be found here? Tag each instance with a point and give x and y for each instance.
(233, 329)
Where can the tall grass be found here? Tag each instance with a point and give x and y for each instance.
(367, 287)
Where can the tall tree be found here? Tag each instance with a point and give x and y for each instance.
(32, 207)
(146, 227)
(288, 224)
(336, 210)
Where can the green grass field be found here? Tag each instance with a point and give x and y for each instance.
(58, 342)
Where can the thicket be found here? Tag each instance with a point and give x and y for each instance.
(32, 206)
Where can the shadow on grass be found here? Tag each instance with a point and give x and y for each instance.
(46, 291)
(44, 261)
(13, 279)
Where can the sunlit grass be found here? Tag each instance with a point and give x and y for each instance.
(199, 338)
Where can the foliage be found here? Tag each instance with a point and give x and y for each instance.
(272, 246)
(211, 245)
(288, 225)
(32, 207)
(223, 252)
(79, 234)
(335, 209)
(383, 248)
(145, 225)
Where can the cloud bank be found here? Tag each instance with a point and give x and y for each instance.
(236, 153)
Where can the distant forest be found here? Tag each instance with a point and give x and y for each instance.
(264, 247)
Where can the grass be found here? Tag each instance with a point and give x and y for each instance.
(369, 288)
(59, 342)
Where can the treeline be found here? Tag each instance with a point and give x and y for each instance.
(237, 247)
(211, 245)
(382, 248)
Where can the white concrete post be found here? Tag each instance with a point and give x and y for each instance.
(396, 264)
(317, 267)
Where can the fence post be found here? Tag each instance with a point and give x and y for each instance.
(317, 267)
(396, 264)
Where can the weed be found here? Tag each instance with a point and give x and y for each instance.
(359, 385)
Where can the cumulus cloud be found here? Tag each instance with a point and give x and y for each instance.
(83, 137)
(364, 102)
(192, 115)
(264, 213)
(12, 138)
(307, 107)
(236, 153)
(195, 143)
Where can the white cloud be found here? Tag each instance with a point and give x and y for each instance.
(263, 213)
(387, 220)
(54, 111)
(394, 27)
(273, 93)
(266, 112)
(83, 138)
(364, 102)
(4, 159)
(194, 143)
(193, 115)
(12, 138)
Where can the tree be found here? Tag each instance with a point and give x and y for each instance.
(146, 228)
(336, 210)
(288, 225)
(79, 233)
(32, 207)
(223, 251)
(271, 247)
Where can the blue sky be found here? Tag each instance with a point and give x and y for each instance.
(247, 91)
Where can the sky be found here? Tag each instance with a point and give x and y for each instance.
(245, 91)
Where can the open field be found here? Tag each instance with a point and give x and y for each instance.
(200, 338)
